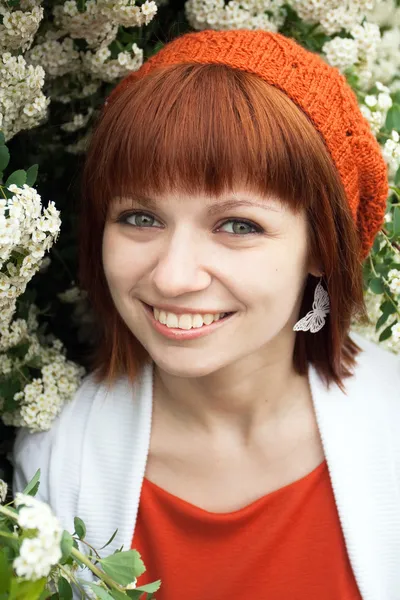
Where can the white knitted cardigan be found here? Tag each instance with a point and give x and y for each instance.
(94, 458)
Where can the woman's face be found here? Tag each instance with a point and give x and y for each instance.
(188, 255)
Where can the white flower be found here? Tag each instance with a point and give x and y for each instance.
(3, 491)
(371, 101)
(39, 553)
(384, 101)
(396, 332)
(132, 585)
(341, 52)
(252, 14)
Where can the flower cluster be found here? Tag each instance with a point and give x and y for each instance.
(38, 402)
(394, 281)
(3, 491)
(79, 120)
(56, 57)
(332, 15)
(100, 64)
(22, 102)
(360, 50)
(391, 154)
(252, 14)
(27, 231)
(19, 27)
(98, 23)
(42, 549)
(373, 303)
(376, 106)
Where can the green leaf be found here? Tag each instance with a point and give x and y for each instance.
(5, 572)
(117, 595)
(101, 592)
(150, 588)
(4, 157)
(2, 138)
(80, 528)
(31, 175)
(386, 333)
(396, 220)
(393, 118)
(33, 486)
(397, 177)
(123, 567)
(387, 309)
(64, 589)
(376, 285)
(110, 540)
(26, 590)
(17, 178)
(67, 543)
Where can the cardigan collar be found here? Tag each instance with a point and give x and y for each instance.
(354, 430)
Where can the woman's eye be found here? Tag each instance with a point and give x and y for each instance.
(140, 219)
(238, 227)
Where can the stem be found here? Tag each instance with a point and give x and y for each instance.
(88, 545)
(8, 513)
(395, 245)
(74, 580)
(100, 574)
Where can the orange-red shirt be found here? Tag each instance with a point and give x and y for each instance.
(287, 545)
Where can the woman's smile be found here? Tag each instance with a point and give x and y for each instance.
(185, 326)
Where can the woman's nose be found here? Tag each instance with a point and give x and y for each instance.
(181, 267)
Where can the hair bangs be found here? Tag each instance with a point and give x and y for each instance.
(205, 129)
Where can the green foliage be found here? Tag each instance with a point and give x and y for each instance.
(33, 486)
(123, 566)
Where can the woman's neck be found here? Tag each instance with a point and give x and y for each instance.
(238, 398)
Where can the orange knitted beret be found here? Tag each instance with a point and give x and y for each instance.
(318, 89)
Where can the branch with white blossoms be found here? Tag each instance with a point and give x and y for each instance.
(221, 15)
(99, 21)
(333, 15)
(35, 376)
(22, 102)
(27, 232)
(41, 560)
(19, 24)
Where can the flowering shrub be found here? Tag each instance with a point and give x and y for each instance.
(40, 560)
(58, 62)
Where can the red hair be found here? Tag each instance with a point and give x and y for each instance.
(206, 128)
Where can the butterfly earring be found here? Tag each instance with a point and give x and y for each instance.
(315, 319)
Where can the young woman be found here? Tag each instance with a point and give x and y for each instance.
(232, 429)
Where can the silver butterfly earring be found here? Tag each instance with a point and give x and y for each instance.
(315, 319)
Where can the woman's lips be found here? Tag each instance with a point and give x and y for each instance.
(184, 334)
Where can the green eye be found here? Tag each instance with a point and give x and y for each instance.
(238, 227)
(139, 219)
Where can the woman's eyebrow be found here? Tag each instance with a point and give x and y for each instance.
(231, 204)
(212, 209)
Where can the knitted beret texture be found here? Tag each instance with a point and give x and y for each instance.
(318, 89)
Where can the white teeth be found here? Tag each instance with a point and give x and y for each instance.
(197, 321)
(208, 319)
(185, 321)
(172, 320)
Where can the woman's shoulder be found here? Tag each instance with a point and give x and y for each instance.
(34, 450)
(377, 362)
(58, 451)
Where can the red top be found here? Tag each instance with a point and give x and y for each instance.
(287, 545)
